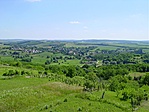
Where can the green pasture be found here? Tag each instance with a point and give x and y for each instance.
(130, 45)
(78, 45)
(146, 50)
(68, 62)
(6, 58)
(38, 94)
(42, 58)
(25, 94)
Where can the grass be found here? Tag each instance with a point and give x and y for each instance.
(68, 62)
(31, 94)
(106, 47)
(39, 60)
(136, 74)
(42, 58)
(146, 50)
(76, 45)
(7, 59)
(38, 94)
(76, 104)
(144, 107)
(130, 45)
(101, 47)
(20, 82)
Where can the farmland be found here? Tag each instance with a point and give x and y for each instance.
(64, 76)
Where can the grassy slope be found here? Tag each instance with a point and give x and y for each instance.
(29, 94)
(38, 94)
(33, 95)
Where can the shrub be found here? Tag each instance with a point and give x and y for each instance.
(65, 100)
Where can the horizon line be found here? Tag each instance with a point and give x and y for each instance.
(77, 39)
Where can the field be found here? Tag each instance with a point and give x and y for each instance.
(42, 57)
(73, 76)
(35, 95)
(27, 94)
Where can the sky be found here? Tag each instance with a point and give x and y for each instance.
(74, 19)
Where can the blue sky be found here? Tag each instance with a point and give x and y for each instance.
(74, 19)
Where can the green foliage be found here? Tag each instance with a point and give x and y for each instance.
(11, 73)
(145, 79)
(117, 83)
(71, 71)
(18, 64)
(27, 59)
(103, 74)
(47, 62)
(89, 85)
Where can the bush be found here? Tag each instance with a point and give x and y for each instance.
(65, 100)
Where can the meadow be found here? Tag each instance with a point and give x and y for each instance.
(32, 94)
(66, 84)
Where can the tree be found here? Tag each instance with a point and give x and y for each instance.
(92, 77)
(10, 73)
(27, 59)
(18, 64)
(71, 71)
(117, 83)
(145, 79)
(48, 56)
(88, 85)
(47, 62)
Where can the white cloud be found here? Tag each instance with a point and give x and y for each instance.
(33, 0)
(74, 22)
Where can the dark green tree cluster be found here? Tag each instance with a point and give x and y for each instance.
(12, 73)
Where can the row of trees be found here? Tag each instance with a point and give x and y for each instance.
(11, 73)
(104, 72)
